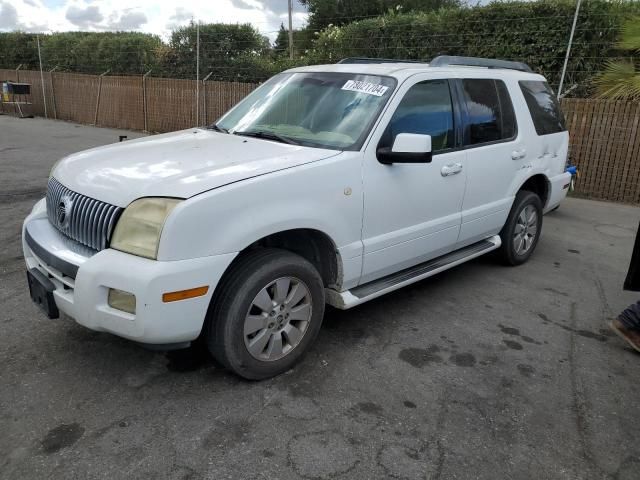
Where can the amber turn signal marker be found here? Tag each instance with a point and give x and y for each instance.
(184, 294)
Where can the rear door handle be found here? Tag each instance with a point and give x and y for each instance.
(518, 154)
(451, 169)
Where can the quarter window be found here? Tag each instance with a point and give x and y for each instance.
(425, 109)
(490, 114)
(545, 110)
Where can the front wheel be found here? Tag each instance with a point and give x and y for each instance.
(522, 230)
(267, 313)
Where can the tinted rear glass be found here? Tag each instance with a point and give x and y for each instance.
(490, 115)
(545, 110)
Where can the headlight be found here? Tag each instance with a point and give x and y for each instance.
(139, 228)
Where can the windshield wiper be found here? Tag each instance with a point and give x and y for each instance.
(267, 136)
(216, 128)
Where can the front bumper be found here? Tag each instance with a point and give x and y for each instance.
(83, 277)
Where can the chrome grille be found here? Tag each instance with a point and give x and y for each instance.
(81, 218)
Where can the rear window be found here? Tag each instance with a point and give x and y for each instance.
(545, 110)
(490, 115)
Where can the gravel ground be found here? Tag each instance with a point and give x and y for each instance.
(482, 372)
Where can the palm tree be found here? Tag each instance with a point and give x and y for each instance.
(620, 79)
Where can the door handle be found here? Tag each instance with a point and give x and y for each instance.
(518, 154)
(451, 169)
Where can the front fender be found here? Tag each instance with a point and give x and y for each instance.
(324, 196)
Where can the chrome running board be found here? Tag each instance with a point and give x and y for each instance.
(377, 288)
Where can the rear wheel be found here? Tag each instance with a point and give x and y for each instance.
(267, 313)
(522, 230)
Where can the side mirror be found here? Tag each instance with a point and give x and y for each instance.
(407, 148)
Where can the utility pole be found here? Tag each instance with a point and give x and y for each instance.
(291, 29)
(44, 95)
(144, 100)
(198, 73)
(53, 92)
(566, 58)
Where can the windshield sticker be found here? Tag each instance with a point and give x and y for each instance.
(365, 87)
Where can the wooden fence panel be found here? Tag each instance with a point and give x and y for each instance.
(36, 98)
(605, 145)
(218, 97)
(121, 103)
(9, 75)
(170, 104)
(76, 96)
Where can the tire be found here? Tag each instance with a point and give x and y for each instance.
(243, 336)
(517, 247)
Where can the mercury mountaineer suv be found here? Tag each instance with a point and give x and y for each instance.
(328, 184)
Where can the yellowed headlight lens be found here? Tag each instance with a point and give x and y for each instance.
(139, 228)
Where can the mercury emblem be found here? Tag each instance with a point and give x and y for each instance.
(64, 211)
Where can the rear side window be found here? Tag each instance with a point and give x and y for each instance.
(545, 110)
(490, 115)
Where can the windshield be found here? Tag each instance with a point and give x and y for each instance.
(325, 110)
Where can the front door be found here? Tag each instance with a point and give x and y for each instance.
(412, 211)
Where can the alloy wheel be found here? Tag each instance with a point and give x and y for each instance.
(526, 229)
(277, 319)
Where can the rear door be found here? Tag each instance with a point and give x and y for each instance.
(495, 153)
(552, 140)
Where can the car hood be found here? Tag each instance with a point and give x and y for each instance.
(179, 164)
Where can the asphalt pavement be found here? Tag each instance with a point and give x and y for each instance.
(482, 372)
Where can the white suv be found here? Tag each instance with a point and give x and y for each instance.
(328, 184)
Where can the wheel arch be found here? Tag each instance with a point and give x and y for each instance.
(538, 184)
(314, 245)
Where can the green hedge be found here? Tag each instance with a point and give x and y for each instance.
(533, 32)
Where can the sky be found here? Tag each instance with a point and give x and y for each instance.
(151, 16)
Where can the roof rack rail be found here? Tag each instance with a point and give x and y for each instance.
(358, 60)
(446, 60)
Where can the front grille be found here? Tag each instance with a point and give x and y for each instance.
(81, 218)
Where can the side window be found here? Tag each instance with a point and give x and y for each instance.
(543, 106)
(425, 109)
(509, 123)
(491, 117)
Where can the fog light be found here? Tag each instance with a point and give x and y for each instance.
(120, 300)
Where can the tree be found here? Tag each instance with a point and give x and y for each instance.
(281, 45)
(534, 32)
(221, 45)
(86, 52)
(323, 13)
(97, 52)
(620, 79)
(18, 48)
(302, 41)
